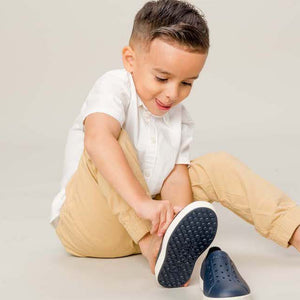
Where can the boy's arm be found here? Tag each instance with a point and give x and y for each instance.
(177, 186)
(101, 143)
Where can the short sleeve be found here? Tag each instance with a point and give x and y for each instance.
(187, 130)
(110, 95)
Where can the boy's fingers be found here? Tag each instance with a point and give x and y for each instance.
(154, 227)
(177, 209)
(169, 218)
(153, 230)
(161, 223)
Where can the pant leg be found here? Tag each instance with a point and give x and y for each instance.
(221, 177)
(94, 220)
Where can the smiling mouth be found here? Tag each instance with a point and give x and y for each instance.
(162, 104)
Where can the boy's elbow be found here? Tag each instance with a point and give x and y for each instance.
(98, 126)
(99, 123)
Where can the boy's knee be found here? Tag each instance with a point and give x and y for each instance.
(223, 157)
(219, 157)
(215, 157)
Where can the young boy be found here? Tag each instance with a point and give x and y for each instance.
(127, 170)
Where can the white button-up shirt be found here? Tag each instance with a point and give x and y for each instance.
(160, 141)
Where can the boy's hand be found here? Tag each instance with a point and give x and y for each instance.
(160, 212)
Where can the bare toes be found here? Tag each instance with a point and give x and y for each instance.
(187, 283)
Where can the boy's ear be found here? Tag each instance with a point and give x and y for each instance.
(128, 57)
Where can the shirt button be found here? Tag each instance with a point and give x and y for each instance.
(147, 116)
(153, 140)
(147, 174)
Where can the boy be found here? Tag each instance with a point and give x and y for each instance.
(127, 170)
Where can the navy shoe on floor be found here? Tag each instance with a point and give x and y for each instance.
(220, 279)
(190, 233)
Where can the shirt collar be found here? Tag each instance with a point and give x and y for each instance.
(165, 117)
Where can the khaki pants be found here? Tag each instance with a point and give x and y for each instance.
(96, 222)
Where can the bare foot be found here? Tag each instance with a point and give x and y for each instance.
(187, 283)
(149, 246)
(295, 240)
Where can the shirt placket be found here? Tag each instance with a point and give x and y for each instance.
(152, 145)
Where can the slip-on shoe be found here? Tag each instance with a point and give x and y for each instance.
(220, 279)
(189, 234)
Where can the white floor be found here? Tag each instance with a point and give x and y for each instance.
(34, 264)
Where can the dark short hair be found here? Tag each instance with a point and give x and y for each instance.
(174, 21)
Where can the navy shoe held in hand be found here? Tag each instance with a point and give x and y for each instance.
(190, 233)
(220, 279)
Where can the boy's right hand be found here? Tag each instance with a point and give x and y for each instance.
(160, 212)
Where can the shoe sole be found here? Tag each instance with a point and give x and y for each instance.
(191, 232)
(245, 297)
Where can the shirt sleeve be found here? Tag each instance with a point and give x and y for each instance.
(108, 95)
(187, 130)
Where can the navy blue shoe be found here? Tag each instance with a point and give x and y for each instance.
(220, 279)
(191, 232)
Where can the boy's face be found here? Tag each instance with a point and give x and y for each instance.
(152, 84)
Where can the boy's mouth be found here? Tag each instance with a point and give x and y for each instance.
(161, 106)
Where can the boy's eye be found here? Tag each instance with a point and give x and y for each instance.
(164, 79)
(160, 79)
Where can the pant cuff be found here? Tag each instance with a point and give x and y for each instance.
(285, 227)
(135, 226)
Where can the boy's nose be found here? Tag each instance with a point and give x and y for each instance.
(172, 93)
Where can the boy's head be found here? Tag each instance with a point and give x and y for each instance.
(172, 36)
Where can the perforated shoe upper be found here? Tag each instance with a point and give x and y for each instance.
(221, 277)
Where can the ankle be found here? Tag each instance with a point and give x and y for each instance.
(295, 239)
(295, 244)
(144, 242)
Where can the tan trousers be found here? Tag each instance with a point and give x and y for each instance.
(96, 222)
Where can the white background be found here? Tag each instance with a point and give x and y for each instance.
(245, 102)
